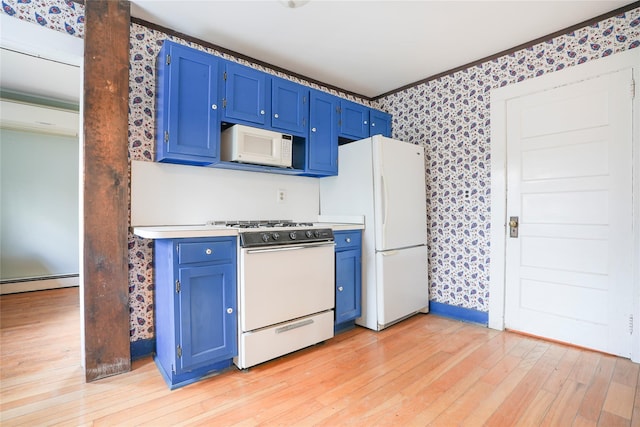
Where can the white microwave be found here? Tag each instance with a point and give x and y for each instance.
(246, 144)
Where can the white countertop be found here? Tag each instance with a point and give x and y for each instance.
(203, 230)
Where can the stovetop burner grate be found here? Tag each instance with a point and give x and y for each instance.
(261, 223)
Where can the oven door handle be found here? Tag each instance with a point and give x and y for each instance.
(289, 248)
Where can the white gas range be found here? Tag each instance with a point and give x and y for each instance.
(285, 287)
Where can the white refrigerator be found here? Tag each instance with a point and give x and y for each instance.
(384, 180)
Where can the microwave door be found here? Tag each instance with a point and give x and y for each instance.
(259, 146)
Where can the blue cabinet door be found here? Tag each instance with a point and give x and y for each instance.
(245, 94)
(207, 313)
(348, 277)
(187, 121)
(289, 106)
(379, 123)
(322, 146)
(348, 285)
(354, 120)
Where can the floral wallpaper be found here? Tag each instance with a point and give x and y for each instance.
(65, 16)
(450, 117)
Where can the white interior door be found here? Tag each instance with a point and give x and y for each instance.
(569, 182)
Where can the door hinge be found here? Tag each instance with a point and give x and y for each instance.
(224, 76)
(166, 136)
(177, 286)
(179, 352)
(224, 103)
(168, 59)
(631, 324)
(633, 88)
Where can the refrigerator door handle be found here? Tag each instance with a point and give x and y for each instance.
(384, 210)
(389, 253)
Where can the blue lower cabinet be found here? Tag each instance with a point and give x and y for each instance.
(195, 307)
(348, 279)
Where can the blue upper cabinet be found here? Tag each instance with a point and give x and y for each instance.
(199, 94)
(322, 146)
(187, 120)
(289, 106)
(354, 120)
(245, 95)
(380, 123)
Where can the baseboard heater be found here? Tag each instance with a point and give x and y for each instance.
(28, 284)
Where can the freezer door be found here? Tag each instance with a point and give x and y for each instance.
(402, 283)
(400, 194)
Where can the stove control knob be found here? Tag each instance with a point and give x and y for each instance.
(265, 237)
(309, 233)
(317, 233)
(292, 235)
(275, 236)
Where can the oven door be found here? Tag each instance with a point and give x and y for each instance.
(278, 284)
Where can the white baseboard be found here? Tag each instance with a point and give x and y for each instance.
(38, 285)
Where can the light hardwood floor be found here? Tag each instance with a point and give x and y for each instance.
(424, 371)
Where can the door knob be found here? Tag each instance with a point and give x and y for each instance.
(513, 227)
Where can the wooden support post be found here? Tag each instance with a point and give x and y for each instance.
(105, 189)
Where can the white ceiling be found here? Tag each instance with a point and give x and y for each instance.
(365, 47)
(45, 78)
(369, 47)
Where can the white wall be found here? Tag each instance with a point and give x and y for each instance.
(38, 205)
(167, 194)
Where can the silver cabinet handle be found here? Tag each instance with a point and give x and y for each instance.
(348, 240)
(229, 310)
(208, 251)
(340, 288)
(365, 122)
(276, 115)
(313, 129)
(289, 248)
(373, 125)
(214, 107)
(262, 112)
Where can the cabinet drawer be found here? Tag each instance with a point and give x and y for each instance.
(268, 343)
(347, 239)
(206, 251)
